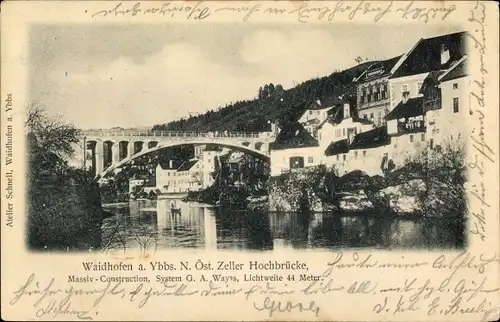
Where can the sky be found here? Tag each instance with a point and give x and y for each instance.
(97, 76)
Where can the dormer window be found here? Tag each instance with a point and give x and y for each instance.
(445, 54)
(406, 96)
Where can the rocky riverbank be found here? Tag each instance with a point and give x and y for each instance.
(321, 190)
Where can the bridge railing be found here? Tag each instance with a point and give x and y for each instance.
(173, 134)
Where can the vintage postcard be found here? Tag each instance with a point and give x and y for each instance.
(250, 161)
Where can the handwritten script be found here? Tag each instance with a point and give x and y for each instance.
(452, 293)
(483, 153)
(303, 12)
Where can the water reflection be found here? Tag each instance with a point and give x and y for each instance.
(153, 224)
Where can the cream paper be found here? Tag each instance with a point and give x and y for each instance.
(354, 284)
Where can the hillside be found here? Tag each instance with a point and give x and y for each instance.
(272, 103)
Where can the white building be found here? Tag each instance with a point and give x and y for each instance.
(428, 55)
(187, 177)
(447, 123)
(317, 113)
(342, 124)
(294, 148)
(210, 156)
(132, 183)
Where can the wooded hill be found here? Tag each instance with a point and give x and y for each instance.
(273, 103)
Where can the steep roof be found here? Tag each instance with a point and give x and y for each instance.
(430, 80)
(384, 66)
(370, 139)
(165, 164)
(337, 147)
(293, 135)
(336, 115)
(324, 102)
(413, 107)
(425, 56)
(460, 69)
(187, 165)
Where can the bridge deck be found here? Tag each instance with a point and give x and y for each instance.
(173, 134)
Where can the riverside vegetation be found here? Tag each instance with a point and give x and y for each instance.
(430, 184)
(64, 205)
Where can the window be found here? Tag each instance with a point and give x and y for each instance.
(310, 112)
(365, 116)
(419, 86)
(370, 93)
(310, 159)
(455, 85)
(404, 88)
(456, 104)
(384, 91)
(431, 144)
(355, 154)
(411, 137)
(363, 94)
(168, 174)
(343, 132)
(364, 153)
(338, 157)
(422, 137)
(371, 116)
(377, 93)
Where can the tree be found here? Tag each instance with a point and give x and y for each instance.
(50, 141)
(64, 205)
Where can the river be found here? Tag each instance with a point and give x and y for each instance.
(148, 225)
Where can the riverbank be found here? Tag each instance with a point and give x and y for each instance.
(65, 213)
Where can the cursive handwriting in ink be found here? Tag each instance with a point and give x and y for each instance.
(321, 287)
(272, 306)
(248, 10)
(198, 11)
(118, 10)
(267, 290)
(64, 308)
(478, 17)
(424, 13)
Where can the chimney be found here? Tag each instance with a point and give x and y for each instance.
(347, 111)
(445, 54)
(318, 101)
(171, 164)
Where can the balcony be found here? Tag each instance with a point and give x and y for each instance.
(408, 127)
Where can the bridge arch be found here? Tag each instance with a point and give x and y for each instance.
(152, 144)
(236, 146)
(138, 147)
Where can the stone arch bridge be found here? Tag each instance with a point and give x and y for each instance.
(111, 149)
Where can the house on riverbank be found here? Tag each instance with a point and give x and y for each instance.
(404, 105)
